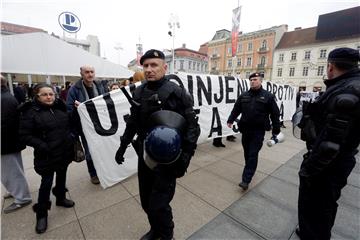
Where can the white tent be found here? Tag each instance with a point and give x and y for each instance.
(42, 54)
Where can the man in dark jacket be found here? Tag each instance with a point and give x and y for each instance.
(331, 129)
(84, 89)
(255, 106)
(12, 171)
(158, 95)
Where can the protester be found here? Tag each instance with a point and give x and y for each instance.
(84, 89)
(160, 102)
(45, 126)
(12, 170)
(64, 92)
(255, 106)
(331, 129)
(20, 93)
(114, 86)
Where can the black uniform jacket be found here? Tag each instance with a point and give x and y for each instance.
(255, 106)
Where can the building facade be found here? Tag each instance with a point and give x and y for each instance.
(187, 60)
(254, 52)
(300, 59)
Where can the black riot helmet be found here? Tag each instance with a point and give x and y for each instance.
(163, 142)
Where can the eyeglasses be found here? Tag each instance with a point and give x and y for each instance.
(46, 94)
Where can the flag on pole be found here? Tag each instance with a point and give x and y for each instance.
(139, 53)
(235, 29)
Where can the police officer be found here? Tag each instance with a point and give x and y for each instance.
(332, 133)
(255, 106)
(157, 185)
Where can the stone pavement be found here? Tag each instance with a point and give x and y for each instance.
(208, 203)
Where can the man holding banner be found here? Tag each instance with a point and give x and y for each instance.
(255, 106)
(84, 89)
(162, 116)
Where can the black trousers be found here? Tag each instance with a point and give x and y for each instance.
(252, 141)
(156, 192)
(46, 184)
(318, 195)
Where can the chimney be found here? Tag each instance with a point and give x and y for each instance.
(184, 45)
(297, 28)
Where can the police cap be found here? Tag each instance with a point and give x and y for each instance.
(152, 53)
(256, 74)
(344, 55)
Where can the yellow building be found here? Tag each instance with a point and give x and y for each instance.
(254, 52)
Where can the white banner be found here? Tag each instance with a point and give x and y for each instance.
(102, 118)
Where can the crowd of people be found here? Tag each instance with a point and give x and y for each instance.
(165, 123)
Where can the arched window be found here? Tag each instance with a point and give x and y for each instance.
(262, 61)
(264, 43)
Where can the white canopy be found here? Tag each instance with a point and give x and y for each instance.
(42, 54)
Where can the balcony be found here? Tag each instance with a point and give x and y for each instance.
(263, 50)
(213, 56)
(261, 66)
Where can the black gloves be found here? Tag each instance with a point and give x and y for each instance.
(182, 164)
(119, 157)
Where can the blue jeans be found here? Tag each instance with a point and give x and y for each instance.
(252, 141)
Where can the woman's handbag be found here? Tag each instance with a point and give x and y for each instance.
(79, 151)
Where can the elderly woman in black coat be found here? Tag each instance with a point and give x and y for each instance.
(45, 126)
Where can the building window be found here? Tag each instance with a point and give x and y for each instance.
(198, 67)
(281, 57)
(190, 65)
(320, 71)
(262, 61)
(194, 63)
(230, 63)
(264, 43)
(292, 72)
(174, 64)
(293, 56)
(307, 55)
(279, 72)
(250, 46)
(202, 67)
(323, 53)
(229, 50)
(305, 71)
(248, 61)
(239, 62)
(181, 64)
(247, 74)
(239, 47)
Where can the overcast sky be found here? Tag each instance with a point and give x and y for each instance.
(124, 22)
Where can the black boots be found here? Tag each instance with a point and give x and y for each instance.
(61, 199)
(41, 211)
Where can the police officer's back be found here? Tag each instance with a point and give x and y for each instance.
(331, 129)
(166, 124)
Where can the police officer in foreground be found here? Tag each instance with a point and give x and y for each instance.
(163, 118)
(255, 107)
(331, 129)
